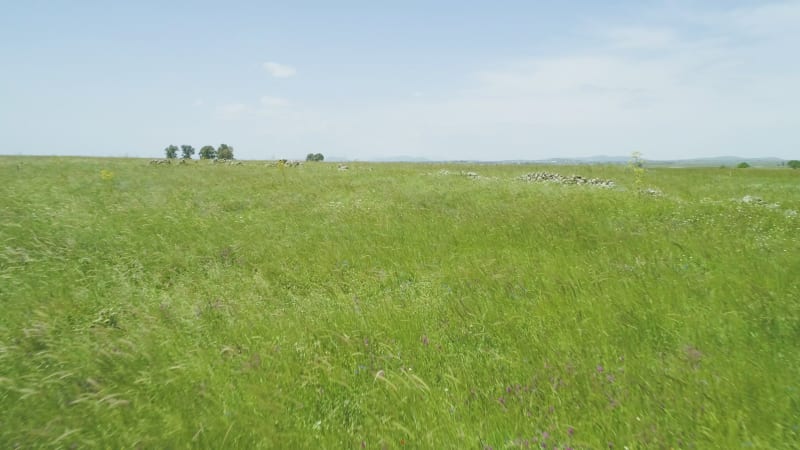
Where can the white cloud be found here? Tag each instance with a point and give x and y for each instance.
(641, 38)
(279, 70)
(267, 106)
(683, 90)
(768, 19)
(273, 101)
(572, 75)
(232, 111)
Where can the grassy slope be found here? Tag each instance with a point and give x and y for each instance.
(248, 306)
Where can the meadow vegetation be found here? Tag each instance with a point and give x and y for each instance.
(396, 306)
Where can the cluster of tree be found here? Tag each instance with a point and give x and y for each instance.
(315, 157)
(224, 151)
(794, 164)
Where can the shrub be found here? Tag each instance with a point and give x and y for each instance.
(742, 165)
(187, 151)
(315, 157)
(208, 152)
(636, 164)
(225, 152)
(171, 152)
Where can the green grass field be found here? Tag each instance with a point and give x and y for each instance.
(395, 306)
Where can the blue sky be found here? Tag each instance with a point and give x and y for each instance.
(433, 79)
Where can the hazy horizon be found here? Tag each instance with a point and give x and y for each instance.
(366, 81)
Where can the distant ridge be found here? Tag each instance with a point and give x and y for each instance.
(715, 161)
(695, 162)
(723, 161)
(401, 158)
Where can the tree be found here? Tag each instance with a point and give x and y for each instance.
(171, 152)
(315, 157)
(225, 152)
(742, 165)
(208, 152)
(187, 151)
(794, 164)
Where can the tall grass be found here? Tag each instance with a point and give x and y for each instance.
(391, 306)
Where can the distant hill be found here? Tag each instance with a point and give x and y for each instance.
(599, 159)
(334, 158)
(695, 162)
(401, 158)
(721, 161)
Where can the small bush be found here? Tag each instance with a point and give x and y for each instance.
(742, 165)
(187, 151)
(315, 157)
(208, 152)
(225, 151)
(171, 152)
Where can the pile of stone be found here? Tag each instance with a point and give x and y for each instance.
(549, 177)
(284, 163)
(463, 173)
(753, 199)
(652, 192)
(229, 162)
(758, 201)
